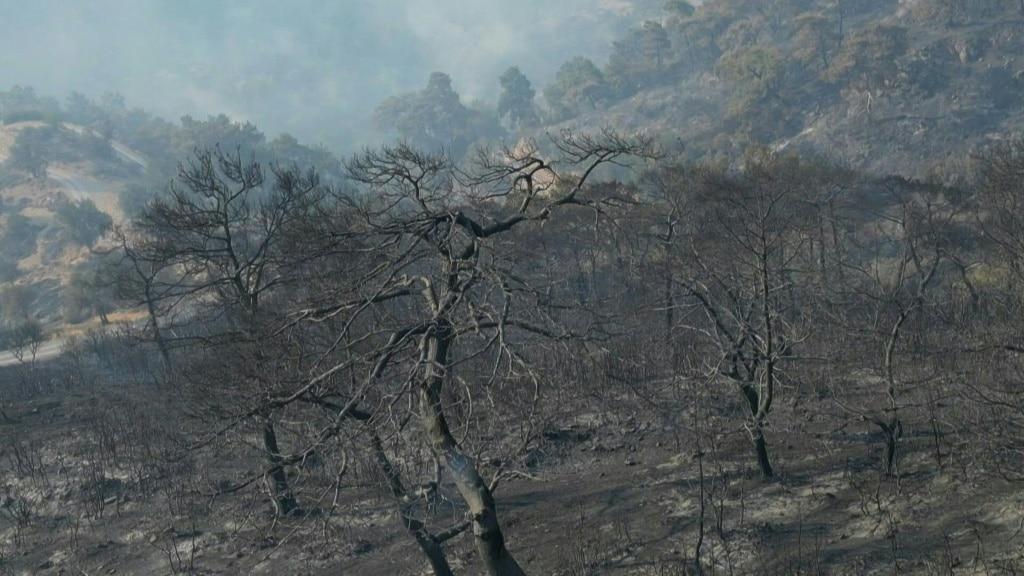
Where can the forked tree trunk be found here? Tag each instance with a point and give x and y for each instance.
(283, 496)
(490, 541)
(891, 432)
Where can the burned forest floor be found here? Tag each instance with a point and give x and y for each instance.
(639, 480)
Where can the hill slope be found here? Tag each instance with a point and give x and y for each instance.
(885, 87)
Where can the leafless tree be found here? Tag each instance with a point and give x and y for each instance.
(209, 248)
(906, 247)
(442, 290)
(736, 267)
(135, 277)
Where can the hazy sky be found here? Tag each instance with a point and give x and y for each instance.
(315, 68)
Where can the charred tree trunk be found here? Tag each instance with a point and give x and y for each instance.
(430, 545)
(891, 433)
(755, 403)
(283, 496)
(490, 541)
(761, 446)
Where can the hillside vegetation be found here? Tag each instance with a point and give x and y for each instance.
(888, 87)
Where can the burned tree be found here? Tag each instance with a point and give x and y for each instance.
(135, 277)
(442, 291)
(895, 285)
(734, 263)
(209, 249)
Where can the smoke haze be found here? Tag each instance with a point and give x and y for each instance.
(313, 68)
